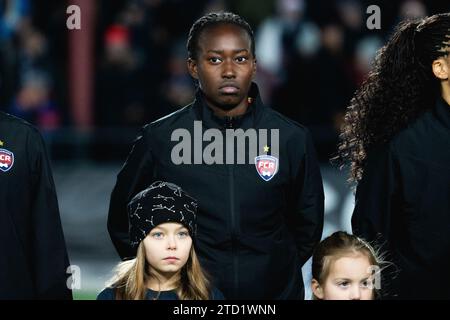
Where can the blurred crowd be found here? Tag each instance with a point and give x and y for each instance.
(312, 55)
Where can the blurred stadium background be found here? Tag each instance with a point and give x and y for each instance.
(90, 90)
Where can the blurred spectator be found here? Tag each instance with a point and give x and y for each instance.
(215, 6)
(13, 14)
(365, 52)
(352, 20)
(281, 38)
(121, 82)
(33, 102)
(179, 88)
(412, 9)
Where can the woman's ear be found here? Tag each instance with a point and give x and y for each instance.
(192, 68)
(441, 68)
(317, 289)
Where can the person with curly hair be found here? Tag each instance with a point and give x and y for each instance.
(396, 140)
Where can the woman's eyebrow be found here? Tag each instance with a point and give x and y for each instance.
(222, 51)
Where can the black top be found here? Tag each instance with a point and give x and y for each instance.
(253, 235)
(109, 294)
(403, 201)
(33, 254)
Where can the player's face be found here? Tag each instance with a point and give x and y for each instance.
(224, 66)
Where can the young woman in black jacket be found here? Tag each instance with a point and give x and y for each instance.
(396, 138)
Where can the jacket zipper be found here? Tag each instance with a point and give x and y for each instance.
(234, 234)
(234, 229)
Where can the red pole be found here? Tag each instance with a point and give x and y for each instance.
(81, 65)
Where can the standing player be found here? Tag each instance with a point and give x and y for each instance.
(258, 222)
(397, 140)
(33, 253)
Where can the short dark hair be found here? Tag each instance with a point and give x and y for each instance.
(212, 19)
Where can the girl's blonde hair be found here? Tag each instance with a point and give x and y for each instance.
(131, 278)
(341, 244)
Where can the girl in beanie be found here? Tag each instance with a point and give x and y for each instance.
(345, 267)
(162, 221)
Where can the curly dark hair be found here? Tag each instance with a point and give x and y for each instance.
(399, 88)
(213, 19)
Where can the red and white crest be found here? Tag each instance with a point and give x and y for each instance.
(266, 166)
(6, 160)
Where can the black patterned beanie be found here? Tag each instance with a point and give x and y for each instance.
(161, 202)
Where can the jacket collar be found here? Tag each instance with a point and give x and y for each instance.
(248, 120)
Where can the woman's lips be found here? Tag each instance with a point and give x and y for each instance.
(229, 90)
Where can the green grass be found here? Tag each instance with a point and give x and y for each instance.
(84, 295)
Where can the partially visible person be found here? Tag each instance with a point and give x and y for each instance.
(345, 267)
(396, 138)
(34, 259)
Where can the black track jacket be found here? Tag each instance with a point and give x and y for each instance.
(253, 235)
(403, 203)
(33, 256)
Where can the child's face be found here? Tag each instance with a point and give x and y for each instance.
(167, 247)
(224, 65)
(349, 278)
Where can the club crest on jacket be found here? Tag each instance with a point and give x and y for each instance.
(6, 160)
(266, 166)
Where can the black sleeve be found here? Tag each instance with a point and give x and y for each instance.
(376, 196)
(134, 176)
(50, 260)
(306, 222)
